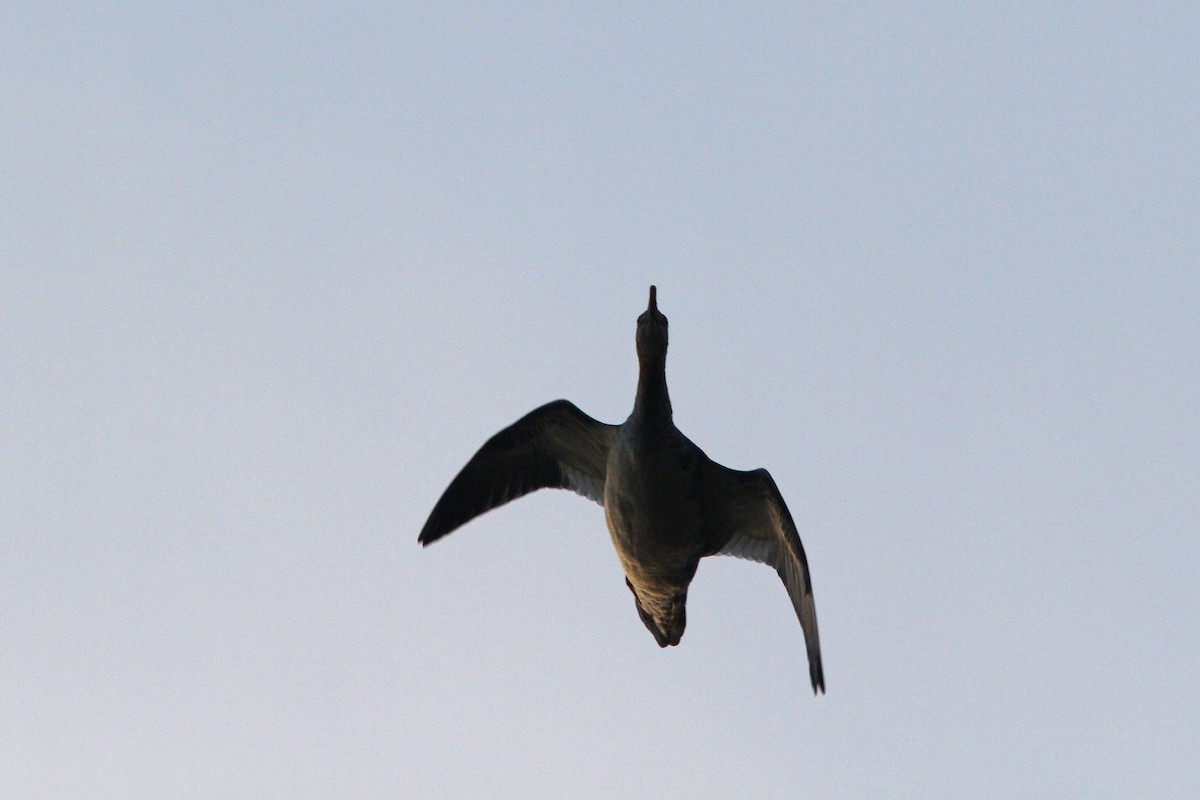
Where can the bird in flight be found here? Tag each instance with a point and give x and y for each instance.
(667, 504)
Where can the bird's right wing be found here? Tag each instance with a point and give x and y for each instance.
(751, 521)
(555, 446)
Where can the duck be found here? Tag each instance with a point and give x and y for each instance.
(667, 504)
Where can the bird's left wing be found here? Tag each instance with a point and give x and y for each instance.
(750, 520)
(555, 446)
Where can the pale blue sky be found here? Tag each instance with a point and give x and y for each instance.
(270, 276)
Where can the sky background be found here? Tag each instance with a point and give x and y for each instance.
(271, 274)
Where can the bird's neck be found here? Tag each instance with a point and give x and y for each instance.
(652, 406)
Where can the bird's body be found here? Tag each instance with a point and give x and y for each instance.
(653, 508)
(666, 503)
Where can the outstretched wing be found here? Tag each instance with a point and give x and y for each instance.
(750, 520)
(556, 446)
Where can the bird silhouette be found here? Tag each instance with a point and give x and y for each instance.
(667, 504)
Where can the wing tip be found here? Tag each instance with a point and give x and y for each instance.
(429, 535)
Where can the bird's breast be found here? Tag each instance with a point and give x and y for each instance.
(653, 510)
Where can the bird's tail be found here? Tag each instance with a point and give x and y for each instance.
(668, 619)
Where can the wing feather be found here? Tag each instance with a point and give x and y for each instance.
(752, 521)
(554, 446)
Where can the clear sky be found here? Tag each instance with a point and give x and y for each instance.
(270, 275)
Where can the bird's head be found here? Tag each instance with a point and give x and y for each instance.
(652, 330)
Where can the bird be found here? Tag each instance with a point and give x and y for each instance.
(666, 503)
